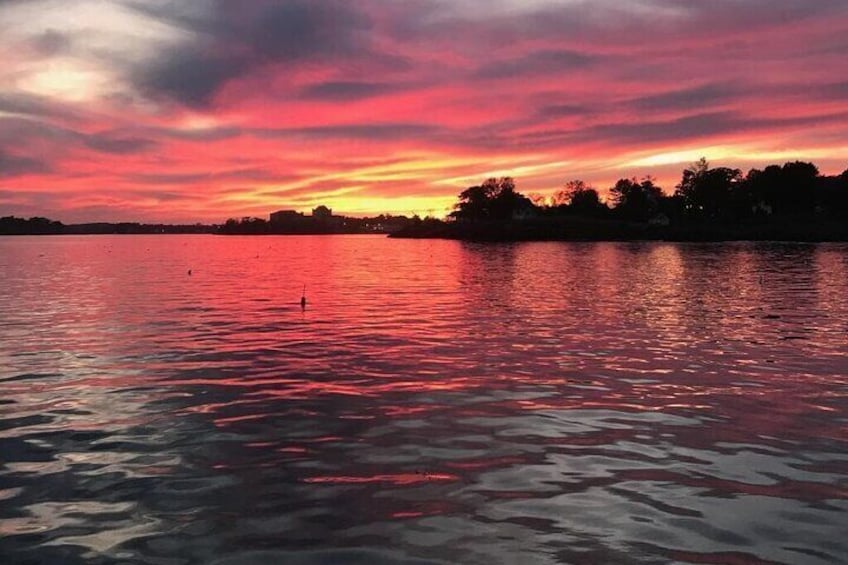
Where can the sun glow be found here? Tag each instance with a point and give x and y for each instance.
(421, 206)
(67, 80)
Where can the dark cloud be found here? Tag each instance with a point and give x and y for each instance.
(549, 62)
(13, 165)
(649, 23)
(24, 133)
(190, 76)
(698, 126)
(234, 39)
(304, 29)
(742, 15)
(701, 96)
(637, 133)
(340, 91)
(688, 127)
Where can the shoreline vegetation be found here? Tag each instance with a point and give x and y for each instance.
(11, 225)
(792, 202)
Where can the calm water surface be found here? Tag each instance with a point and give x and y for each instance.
(436, 402)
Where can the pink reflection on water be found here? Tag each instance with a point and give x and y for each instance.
(522, 375)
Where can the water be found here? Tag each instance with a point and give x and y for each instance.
(436, 402)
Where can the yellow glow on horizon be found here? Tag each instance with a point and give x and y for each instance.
(342, 200)
(678, 157)
(714, 154)
(396, 205)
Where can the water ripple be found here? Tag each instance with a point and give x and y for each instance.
(436, 402)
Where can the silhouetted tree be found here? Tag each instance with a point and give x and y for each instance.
(832, 195)
(582, 199)
(587, 202)
(473, 204)
(757, 189)
(574, 188)
(797, 191)
(707, 192)
(636, 201)
(840, 202)
(563, 197)
(495, 199)
(10, 225)
(505, 200)
(790, 190)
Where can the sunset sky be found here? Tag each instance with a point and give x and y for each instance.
(199, 110)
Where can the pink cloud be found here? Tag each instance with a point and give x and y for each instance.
(286, 103)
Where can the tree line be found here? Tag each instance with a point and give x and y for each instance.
(793, 192)
(12, 225)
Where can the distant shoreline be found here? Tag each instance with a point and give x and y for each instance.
(11, 225)
(551, 228)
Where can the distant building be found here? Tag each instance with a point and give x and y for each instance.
(285, 216)
(322, 212)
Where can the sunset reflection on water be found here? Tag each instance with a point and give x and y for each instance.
(440, 401)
